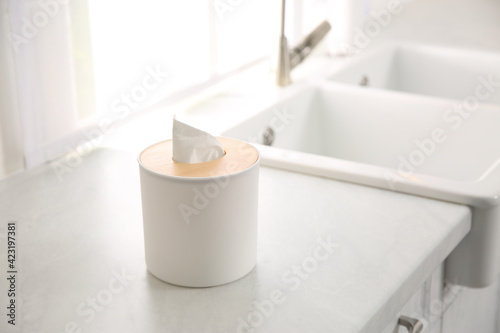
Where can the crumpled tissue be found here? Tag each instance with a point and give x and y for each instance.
(191, 145)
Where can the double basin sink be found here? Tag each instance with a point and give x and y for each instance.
(416, 119)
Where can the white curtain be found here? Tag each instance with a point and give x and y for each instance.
(11, 149)
(38, 82)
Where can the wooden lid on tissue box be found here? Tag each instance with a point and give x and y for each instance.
(238, 156)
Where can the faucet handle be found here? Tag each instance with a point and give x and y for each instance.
(302, 50)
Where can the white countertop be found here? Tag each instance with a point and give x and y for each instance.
(77, 235)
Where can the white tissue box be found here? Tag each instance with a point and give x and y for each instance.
(200, 219)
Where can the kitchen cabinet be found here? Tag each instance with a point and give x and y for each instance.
(446, 308)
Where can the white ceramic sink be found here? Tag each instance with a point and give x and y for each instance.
(403, 142)
(391, 141)
(426, 70)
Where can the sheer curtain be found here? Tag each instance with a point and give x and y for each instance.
(42, 78)
(11, 150)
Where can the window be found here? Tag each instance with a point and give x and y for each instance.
(192, 41)
(76, 62)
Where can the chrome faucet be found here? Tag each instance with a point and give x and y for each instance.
(289, 59)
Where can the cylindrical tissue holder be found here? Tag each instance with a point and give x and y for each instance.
(200, 219)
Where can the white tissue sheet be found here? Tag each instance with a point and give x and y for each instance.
(191, 145)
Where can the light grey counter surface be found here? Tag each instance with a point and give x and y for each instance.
(332, 256)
